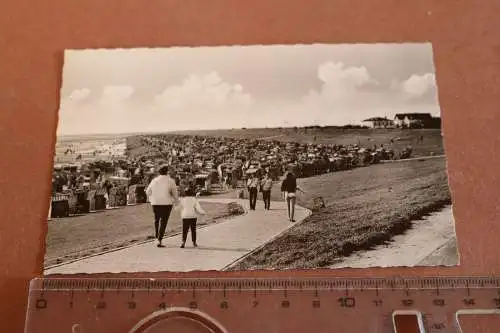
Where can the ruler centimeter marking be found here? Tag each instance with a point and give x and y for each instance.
(436, 302)
(438, 284)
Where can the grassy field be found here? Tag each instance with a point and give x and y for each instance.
(365, 207)
(432, 143)
(74, 237)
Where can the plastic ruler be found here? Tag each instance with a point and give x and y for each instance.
(264, 305)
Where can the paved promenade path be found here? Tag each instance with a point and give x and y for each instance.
(219, 245)
(421, 158)
(430, 241)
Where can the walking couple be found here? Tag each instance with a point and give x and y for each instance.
(289, 189)
(265, 185)
(163, 196)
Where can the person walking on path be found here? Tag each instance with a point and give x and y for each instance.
(253, 184)
(162, 194)
(190, 209)
(289, 188)
(266, 186)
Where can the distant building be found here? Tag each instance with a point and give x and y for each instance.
(414, 120)
(435, 123)
(378, 122)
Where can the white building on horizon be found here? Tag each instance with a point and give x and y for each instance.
(379, 122)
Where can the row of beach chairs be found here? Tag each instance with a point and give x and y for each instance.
(86, 201)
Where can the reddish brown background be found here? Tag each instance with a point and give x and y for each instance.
(33, 35)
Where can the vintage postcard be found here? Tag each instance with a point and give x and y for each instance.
(249, 158)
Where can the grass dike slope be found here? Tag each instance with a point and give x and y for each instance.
(364, 207)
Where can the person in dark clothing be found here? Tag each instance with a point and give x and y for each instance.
(266, 186)
(107, 186)
(253, 185)
(289, 188)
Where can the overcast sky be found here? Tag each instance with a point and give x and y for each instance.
(165, 89)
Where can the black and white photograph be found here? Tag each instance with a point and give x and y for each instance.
(258, 157)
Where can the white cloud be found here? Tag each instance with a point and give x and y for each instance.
(203, 101)
(341, 84)
(108, 113)
(336, 73)
(342, 94)
(79, 94)
(200, 101)
(418, 85)
(207, 92)
(116, 93)
(72, 101)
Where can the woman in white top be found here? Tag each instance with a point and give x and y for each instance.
(162, 194)
(190, 208)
